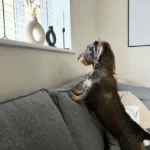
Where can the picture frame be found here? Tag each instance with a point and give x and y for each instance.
(138, 26)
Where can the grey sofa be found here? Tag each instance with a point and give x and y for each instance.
(50, 120)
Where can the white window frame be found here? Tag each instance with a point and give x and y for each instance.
(44, 21)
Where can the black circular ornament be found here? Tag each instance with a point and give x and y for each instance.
(50, 33)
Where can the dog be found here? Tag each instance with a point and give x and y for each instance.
(100, 94)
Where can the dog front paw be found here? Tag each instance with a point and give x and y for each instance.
(71, 95)
(74, 97)
(75, 91)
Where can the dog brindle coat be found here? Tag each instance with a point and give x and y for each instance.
(101, 95)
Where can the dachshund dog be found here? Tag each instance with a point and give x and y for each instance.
(101, 96)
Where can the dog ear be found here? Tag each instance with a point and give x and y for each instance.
(96, 43)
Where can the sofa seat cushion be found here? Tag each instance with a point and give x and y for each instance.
(87, 132)
(33, 122)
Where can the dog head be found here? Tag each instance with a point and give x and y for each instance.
(90, 55)
(99, 53)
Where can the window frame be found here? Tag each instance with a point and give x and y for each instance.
(16, 28)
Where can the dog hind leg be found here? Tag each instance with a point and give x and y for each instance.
(128, 144)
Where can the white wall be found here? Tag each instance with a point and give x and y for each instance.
(84, 23)
(131, 63)
(23, 70)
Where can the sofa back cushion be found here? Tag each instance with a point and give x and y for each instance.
(87, 132)
(33, 122)
(143, 93)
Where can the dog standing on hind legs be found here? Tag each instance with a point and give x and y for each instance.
(101, 95)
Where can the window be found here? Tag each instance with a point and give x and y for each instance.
(51, 13)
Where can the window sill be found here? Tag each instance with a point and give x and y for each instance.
(33, 46)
